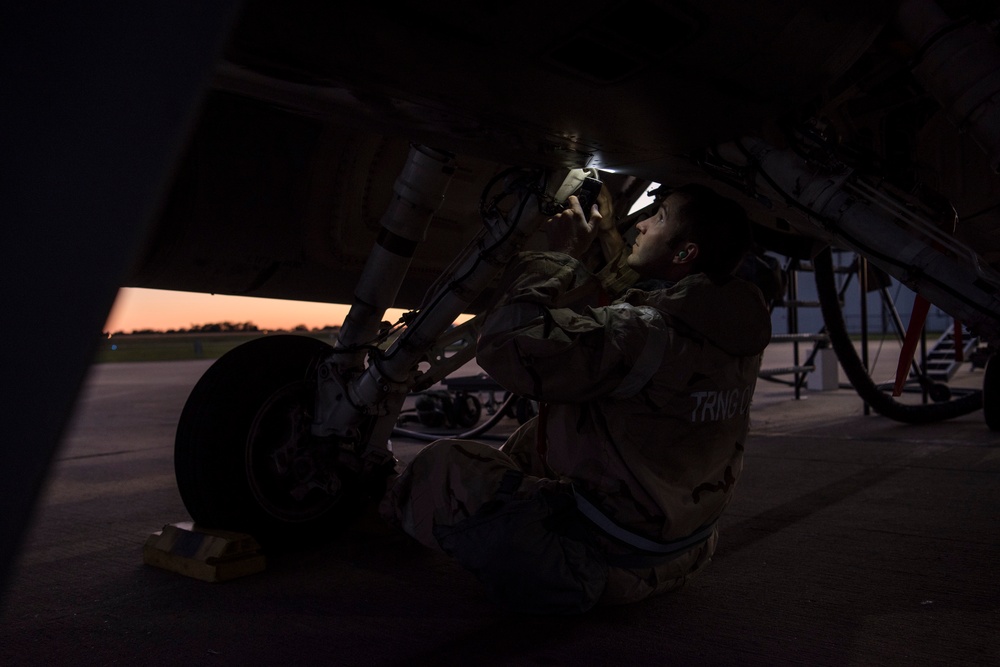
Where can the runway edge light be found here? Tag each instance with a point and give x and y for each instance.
(207, 554)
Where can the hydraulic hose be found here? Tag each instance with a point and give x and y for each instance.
(855, 370)
(474, 433)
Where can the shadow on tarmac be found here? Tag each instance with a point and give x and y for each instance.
(852, 540)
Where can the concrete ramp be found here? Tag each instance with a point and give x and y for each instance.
(852, 540)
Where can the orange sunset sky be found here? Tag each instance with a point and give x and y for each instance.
(163, 310)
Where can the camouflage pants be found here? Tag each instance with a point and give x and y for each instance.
(496, 513)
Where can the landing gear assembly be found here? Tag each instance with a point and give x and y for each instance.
(286, 436)
(823, 197)
(244, 458)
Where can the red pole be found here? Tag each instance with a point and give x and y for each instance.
(917, 318)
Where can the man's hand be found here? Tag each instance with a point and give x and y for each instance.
(570, 232)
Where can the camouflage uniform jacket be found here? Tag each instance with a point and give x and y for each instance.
(647, 398)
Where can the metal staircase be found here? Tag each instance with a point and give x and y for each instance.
(801, 367)
(942, 360)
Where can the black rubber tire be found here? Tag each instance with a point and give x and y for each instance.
(216, 448)
(467, 410)
(991, 393)
(883, 403)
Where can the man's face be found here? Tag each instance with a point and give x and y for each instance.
(654, 251)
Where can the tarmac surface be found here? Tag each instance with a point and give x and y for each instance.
(852, 540)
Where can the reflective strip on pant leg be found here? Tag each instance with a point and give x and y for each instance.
(601, 520)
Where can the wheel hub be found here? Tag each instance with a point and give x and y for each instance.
(293, 476)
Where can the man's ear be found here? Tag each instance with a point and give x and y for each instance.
(688, 253)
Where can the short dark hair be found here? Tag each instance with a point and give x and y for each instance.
(718, 225)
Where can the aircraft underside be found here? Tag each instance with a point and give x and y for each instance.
(400, 159)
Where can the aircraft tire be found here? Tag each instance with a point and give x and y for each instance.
(232, 469)
(991, 392)
(467, 410)
(882, 402)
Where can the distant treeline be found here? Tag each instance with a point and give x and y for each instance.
(224, 327)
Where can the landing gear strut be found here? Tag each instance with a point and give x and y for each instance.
(286, 436)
